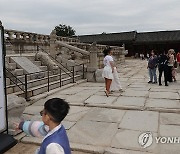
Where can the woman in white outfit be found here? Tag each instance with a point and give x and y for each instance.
(108, 70)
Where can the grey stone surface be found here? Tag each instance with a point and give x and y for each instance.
(31, 110)
(135, 93)
(76, 113)
(130, 102)
(96, 99)
(170, 118)
(165, 95)
(169, 130)
(123, 151)
(128, 139)
(140, 121)
(163, 104)
(104, 115)
(93, 133)
(68, 124)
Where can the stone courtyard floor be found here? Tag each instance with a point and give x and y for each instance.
(112, 125)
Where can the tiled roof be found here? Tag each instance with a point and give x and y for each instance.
(110, 37)
(159, 36)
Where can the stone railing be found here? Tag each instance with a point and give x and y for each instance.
(26, 42)
(118, 52)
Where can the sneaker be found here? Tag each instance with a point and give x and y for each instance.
(154, 82)
(160, 84)
(166, 84)
(150, 82)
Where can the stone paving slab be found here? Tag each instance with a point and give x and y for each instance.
(33, 110)
(71, 91)
(128, 139)
(170, 119)
(92, 133)
(97, 99)
(140, 121)
(80, 97)
(139, 88)
(169, 130)
(164, 95)
(91, 84)
(123, 151)
(162, 89)
(135, 93)
(168, 149)
(76, 113)
(136, 102)
(104, 115)
(162, 104)
(138, 85)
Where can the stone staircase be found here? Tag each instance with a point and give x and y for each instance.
(37, 82)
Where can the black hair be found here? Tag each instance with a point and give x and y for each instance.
(57, 108)
(107, 51)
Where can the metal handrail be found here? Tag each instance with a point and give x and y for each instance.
(15, 78)
(24, 84)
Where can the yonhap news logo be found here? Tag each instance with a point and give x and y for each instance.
(146, 139)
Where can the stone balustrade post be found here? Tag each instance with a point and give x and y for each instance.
(53, 37)
(31, 37)
(18, 36)
(10, 35)
(93, 65)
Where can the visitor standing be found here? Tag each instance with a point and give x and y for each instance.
(108, 70)
(178, 58)
(152, 65)
(174, 68)
(163, 67)
(170, 64)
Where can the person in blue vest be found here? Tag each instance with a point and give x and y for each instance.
(55, 140)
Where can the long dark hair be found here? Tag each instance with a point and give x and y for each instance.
(107, 51)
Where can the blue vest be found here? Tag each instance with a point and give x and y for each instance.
(59, 137)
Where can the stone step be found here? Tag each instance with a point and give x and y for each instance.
(44, 88)
(17, 72)
(31, 58)
(37, 63)
(12, 66)
(44, 68)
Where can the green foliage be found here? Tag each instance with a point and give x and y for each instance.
(64, 30)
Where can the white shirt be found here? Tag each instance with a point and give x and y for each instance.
(107, 60)
(53, 148)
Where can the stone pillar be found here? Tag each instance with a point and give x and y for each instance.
(93, 65)
(53, 37)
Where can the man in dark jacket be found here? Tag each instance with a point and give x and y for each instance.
(163, 67)
(152, 65)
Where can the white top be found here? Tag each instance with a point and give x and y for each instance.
(53, 148)
(107, 60)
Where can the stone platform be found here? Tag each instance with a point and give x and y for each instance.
(97, 124)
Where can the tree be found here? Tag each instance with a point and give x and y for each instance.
(64, 30)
